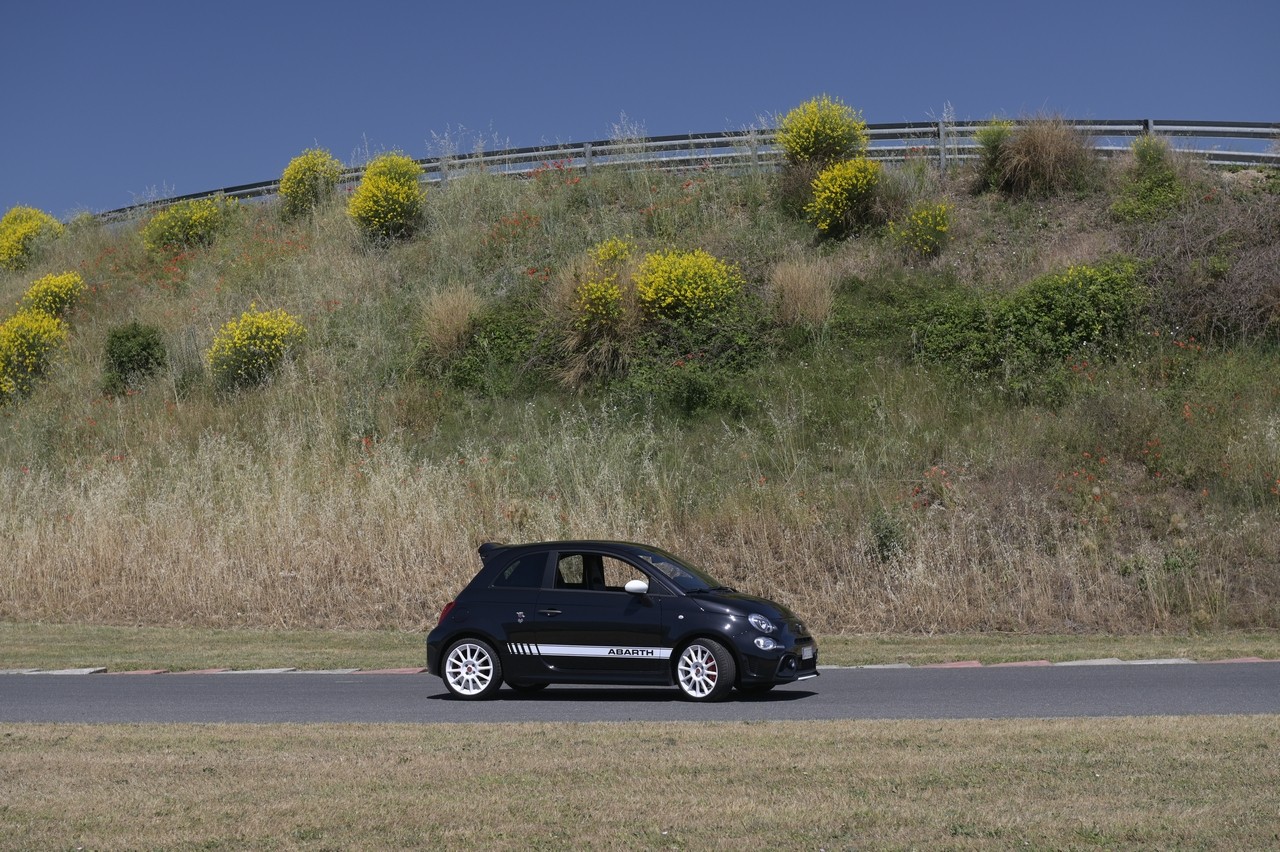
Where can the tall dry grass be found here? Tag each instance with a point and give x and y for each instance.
(804, 290)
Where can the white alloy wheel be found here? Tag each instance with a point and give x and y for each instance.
(705, 671)
(472, 669)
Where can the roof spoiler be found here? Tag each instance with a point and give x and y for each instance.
(489, 547)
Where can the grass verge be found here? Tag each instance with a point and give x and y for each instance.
(50, 646)
(1152, 783)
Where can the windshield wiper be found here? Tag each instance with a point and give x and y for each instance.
(729, 589)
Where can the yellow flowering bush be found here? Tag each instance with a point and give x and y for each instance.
(843, 195)
(398, 167)
(685, 285)
(925, 232)
(597, 302)
(598, 299)
(613, 252)
(187, 224)
(54, 294)
(22, 229)
(246, 351)
(28, 340)
(309, 179)
(387, 204)
(822, 130)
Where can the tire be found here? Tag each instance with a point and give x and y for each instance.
(472, 670)
(705, 671)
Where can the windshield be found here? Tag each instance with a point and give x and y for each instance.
(684, 575)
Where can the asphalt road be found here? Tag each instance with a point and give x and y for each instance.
(975, 693)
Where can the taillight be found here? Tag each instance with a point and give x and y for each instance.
(444, 613)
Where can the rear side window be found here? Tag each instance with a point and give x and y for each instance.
(522, 573)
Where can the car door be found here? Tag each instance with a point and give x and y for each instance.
(510, 603)
(588, 625)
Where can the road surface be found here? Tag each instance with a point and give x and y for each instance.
(975, 693)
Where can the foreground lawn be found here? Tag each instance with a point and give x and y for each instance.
(50, 646)
(1149, 783)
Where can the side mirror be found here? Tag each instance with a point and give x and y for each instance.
(637, 587)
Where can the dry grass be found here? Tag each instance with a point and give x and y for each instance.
(1046, 156)
(803, 289)
(1141, 783)
(446, 317)
(63, 646)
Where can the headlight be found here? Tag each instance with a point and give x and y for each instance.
(759, 622)
(764, 643)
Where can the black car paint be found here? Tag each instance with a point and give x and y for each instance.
(579, 635)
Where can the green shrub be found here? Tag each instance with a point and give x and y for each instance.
(844, 197)
(133, 352)
(992, 140)
(692, 365)
(54, 294)
(188, 224)
(925, 231)
(1020, 338)
(505, 351)
(22, 231)
(388, 203)
(28, 340)
(822, 130)
(1152, 188)
(308, 180)
(249, 350)
(685, 285)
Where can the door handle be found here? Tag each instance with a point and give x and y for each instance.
(549, 612)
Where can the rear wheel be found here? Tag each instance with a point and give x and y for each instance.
(705, 671)
(472, 669)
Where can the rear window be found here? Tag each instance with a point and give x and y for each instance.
(524, 572)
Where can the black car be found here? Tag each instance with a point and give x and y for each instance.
(614, 613)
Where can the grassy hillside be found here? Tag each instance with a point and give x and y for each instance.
(832, 441)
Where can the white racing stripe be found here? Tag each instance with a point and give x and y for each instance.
(604, 651)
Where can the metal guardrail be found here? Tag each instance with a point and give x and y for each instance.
(1250, 143)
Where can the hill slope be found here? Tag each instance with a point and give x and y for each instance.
(808, 447)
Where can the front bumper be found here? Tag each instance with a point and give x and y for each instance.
(785, 665)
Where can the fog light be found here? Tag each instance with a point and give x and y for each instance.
(764, 643)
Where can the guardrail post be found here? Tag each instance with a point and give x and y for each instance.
(1148, 126)
(586, 158)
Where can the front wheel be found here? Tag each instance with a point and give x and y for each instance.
(472, 669)
(705, 671)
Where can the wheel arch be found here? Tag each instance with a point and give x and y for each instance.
(719, 638)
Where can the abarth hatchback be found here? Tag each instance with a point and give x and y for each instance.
(607, 612)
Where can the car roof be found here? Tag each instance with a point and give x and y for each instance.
(490, 548)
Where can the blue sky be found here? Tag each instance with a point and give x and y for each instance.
(110, 102)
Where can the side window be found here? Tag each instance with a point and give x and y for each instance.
(522, 573)
(617, 573)
(570, 573)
